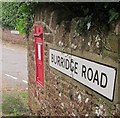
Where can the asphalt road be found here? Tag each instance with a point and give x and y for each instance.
(14, 67)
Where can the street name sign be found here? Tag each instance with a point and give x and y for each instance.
(97, 76)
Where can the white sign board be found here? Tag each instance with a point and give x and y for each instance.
(98, 77)
(14, 32)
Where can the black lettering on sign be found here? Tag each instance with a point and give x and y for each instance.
(52, 59)
(58, 61)
(67, 64)
(76, 64)
(103, 78)
(96, 77)
(55, 59)
(72, 65)
(61, 61)
(64, 63)
(84, 71)
(90, 74)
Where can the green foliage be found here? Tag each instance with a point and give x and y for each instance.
(113, 15)
(14, 103)
(0, 13)
(20, 26)
(9, 15)
(19, 15)
(15, 15)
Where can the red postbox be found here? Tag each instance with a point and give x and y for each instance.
(39, 54)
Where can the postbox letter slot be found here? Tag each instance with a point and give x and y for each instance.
(39, 51)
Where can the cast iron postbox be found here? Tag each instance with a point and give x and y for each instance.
(39, 54)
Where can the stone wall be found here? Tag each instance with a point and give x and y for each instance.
(7, 36)
(62, 95)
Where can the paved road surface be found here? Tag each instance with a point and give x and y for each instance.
(14, 67)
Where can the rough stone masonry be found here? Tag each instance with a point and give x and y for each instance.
(63, 95)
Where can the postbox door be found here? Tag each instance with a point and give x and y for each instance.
(39, 58)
